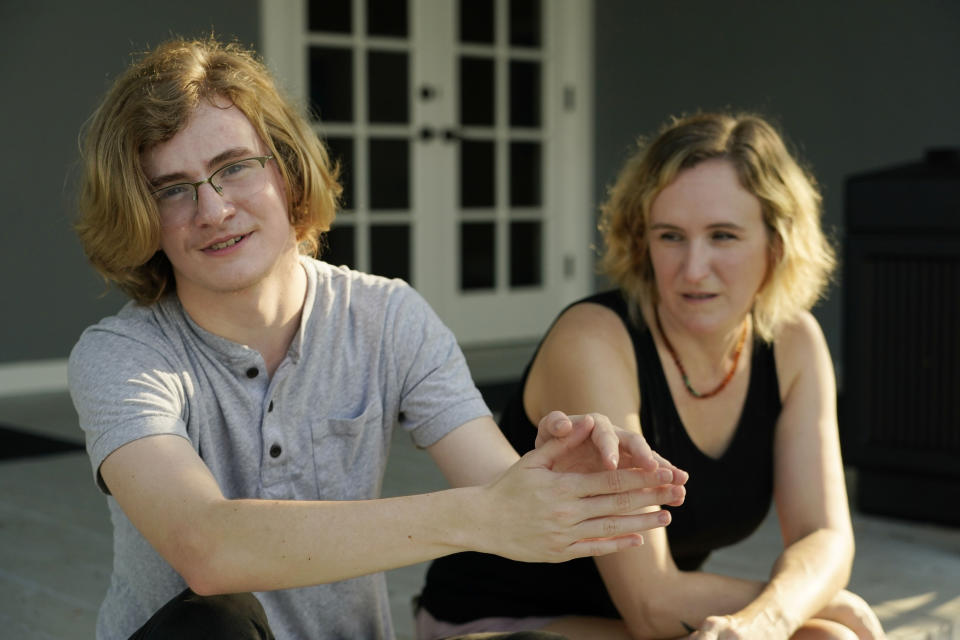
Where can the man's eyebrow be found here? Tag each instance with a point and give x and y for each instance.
(233, 153)
(213, 164)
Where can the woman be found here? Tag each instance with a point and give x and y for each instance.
(709, 349)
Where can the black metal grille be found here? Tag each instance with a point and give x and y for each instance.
(913, 372)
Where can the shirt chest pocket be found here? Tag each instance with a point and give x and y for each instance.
(349, 454)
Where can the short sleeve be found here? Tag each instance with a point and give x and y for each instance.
(123, 389)
(437, 392)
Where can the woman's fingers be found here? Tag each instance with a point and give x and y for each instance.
(550, 450)
(679, 475)
(555, 424)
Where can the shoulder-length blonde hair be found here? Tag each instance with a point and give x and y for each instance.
(802, 259)
(155, 97)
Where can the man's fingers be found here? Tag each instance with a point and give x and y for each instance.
(603, 546)
(602, 483)
(631, 502)
(616, 526)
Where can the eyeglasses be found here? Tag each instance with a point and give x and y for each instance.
(235, 180)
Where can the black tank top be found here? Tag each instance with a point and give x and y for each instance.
(727, 498)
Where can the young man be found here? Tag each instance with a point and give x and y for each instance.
(239, 411)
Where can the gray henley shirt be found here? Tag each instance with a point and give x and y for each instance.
(369, 355)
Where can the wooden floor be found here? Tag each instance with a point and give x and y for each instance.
(55, 544)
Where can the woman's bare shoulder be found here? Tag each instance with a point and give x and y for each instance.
(801, 350)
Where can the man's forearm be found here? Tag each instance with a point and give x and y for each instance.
(259, 545)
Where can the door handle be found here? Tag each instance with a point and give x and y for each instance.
(452, 135)
(427, 133)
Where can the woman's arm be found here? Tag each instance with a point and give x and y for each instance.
(809, 487)
(587, 361)
(810, 494)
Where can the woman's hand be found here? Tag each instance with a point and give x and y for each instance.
(846, 609)
(727, 628)
(535, 513)
(612, 447)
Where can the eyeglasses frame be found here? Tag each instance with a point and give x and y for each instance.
(219, 189)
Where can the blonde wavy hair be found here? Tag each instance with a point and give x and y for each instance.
(150, 103)
(802, 259)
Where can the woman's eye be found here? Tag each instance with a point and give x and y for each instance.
(723, 235)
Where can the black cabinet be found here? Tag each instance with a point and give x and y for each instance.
(900, 417)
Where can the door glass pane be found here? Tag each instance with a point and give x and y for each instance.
(524, 93)
(476, 91)
(524, 173)
(331, 83)
(389, 173)
(477, 255)
(341, 152)
(329, 15)
(525, 23)
(477, 173)
(476, 21)
(387, 87)
(390, 251)
(525, 254)
(339, 246)
(387, 18)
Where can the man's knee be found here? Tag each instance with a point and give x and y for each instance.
(189, 616)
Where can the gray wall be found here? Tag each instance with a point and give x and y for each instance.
(855, 84)
(57, 58)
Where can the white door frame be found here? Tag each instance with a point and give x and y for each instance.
(568, 108)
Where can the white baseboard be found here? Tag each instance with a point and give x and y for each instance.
(33, 376)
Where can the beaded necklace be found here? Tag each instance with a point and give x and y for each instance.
(683, 373)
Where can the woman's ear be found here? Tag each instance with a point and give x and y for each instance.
(776, 248)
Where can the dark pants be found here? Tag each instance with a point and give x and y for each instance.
(241, 617)
(192, 617)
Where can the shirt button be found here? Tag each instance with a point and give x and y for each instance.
(252, 372)
(275, 451)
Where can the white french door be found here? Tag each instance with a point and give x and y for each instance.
(463, 131)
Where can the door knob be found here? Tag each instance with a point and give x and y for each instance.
(452, 135)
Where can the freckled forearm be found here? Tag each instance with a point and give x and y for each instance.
(266, 545)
